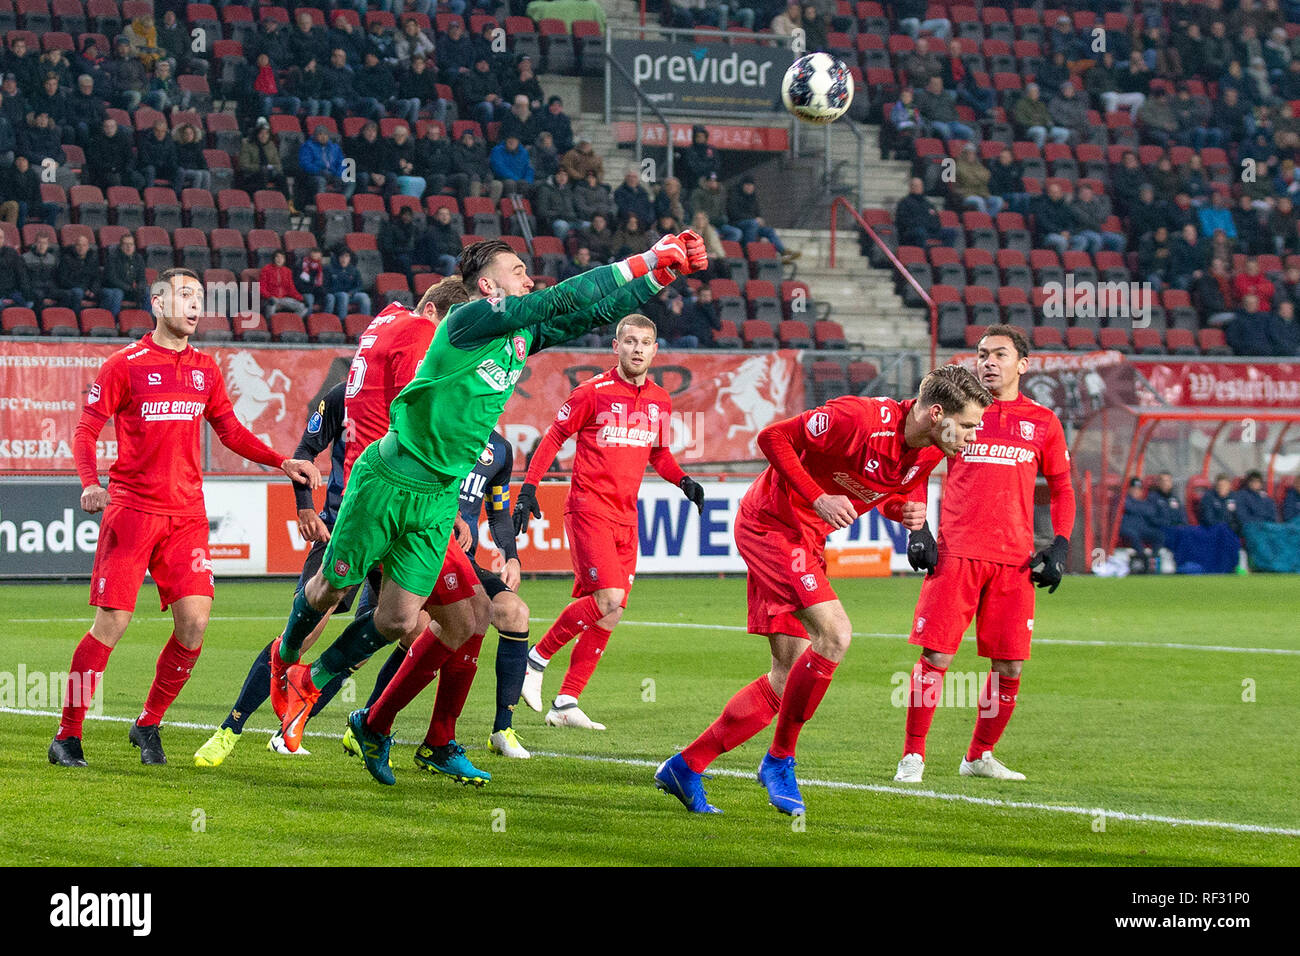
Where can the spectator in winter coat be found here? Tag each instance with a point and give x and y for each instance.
(1248, 332)
(433, 160)
(259, 165)
(396, 241)
(916, 221)
(554, 206)
(1253, 282)
(41, 261)
(511, 165)
(439, 245)
(124, 277)
(1054, 220)
(744, 213)
(631, 197)
(671, 201)
(599, 239)
(591, 198)
(581, 160)
(971, 183)
(321, 162)
(543, 156)
(277, 287)
(13, 278)
(310, 279)
(79, 274)
(343, 286)
(556, 122)
(471, 171)
(1091, 212)
(697, 160)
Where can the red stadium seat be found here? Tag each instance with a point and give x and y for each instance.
(326, 329)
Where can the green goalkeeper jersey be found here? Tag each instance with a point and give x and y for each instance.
(444, 416)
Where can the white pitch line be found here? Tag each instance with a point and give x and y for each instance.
(829, 784)
(736, 628)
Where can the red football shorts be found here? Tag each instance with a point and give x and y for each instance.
(173, 549)
(1000, 597)
(785, 573)
(456, 579)
(603, 553)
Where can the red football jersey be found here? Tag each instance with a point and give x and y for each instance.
(849, 446)
(988, 501)
(390, 350)
(621, 428)
(160, 399)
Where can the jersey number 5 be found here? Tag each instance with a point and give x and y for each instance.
(356, 375)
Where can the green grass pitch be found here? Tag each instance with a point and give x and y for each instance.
(1112, 723)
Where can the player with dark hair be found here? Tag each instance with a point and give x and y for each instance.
(401, 510)
(160, 390)
(325, 428)
(622, 423)
(984, 566)
(876, 450)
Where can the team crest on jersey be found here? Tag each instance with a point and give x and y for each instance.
(809, 582)
(920, 624)
(911, 473)
(653, 412)
(563, 414)
(487, 457)
(521, 348)
(93, 395)
(1029, 624)
(594, 573)
(451, 581)
(198, 378)
(818, 423)
(1027, 431)
(341, 567)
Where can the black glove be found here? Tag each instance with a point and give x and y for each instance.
(923, 550)
(1052, 560)
(693, 490)
(525, 505)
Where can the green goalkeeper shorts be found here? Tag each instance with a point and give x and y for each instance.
(391, 519)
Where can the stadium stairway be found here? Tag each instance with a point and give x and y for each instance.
(862, 299)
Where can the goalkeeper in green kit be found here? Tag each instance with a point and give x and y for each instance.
(402, 495)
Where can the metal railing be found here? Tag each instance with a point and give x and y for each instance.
(839, 201)
(640, 98)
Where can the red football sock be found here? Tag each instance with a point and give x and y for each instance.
(583, 661)
(174, 666)
(924, 696)
(88, 663)
(581, 614)
(453, 687)
(747, 713)
(992, 721)
(807, 685)
(421, 664)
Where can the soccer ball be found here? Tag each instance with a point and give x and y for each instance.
(817, 88)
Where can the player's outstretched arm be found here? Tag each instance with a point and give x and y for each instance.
(483, 320)
(648, 273)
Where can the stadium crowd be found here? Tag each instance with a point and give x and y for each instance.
(1165, 134)
(419, 119)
